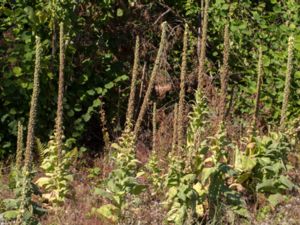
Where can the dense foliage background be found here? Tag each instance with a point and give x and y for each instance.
(99, 55)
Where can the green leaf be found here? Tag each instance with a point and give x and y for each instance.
(11, 215)
(43, 181)
(275, 199)
(17, 71)
(137, 189)
(108, 211)
(91, 92)
(11, 203)
(286, 182)
(206, 173)
(120, 12)
(266, 186)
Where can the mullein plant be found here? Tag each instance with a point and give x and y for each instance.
(287, 86)
(183, 196)
(20, 150)
(152, 166)
(122, 181)
(202, 58)
(224, 73)
(258, 91)
(252, 128)
(135, 70)
(175, 130)
(15, 173)
(27, 209)
(162, 45)
(56, 161)
(181, 104)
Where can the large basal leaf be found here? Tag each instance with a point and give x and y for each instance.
(10, 215)
(275, 199)
(286, 182)
(266, 186)
(11, 203)
(137, 189)
(108, 211)
(43, 181)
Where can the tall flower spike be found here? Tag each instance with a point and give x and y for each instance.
(33, 106)
(287, 87)
(59, 113)
(203, 46)
(19, 156)
(26, 193)
(154, 140)
(224, 72)
(258, 89)
(145, 103)
(182, 88)
(135, 69)
(175, 129)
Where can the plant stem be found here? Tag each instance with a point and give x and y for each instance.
(182, 88)
(203, 46)
(59, 113)
(175, 129)
(154, 140)
(19, 156)
(287, 83)
(162, 45)
(130, 108)
(258, 89)
(224, 72)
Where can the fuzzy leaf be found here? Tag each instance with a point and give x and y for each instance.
(10, 215)
(108, 211)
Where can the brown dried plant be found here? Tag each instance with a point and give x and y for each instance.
(202, 57)
(258, 89)
(182, 89)
(59, 113)
(154, 128)
(287, 86)
(145, 103)
(20, 150)
(26, 192)
(224, 72)
(135, 69)
(175, 130)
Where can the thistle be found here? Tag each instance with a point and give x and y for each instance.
(175, 129)
(258, 89)
(182, 88)
(154, 140)
(224, 72)
(59, 113)
(26, 192)
(203, 46)
(130, 108)
(287, 83)
(19, 156)
(144, 106)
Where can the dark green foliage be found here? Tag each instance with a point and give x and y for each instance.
(263, 166)
(11, 207)
(98, 63)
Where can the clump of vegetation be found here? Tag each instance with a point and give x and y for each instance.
(220, 144)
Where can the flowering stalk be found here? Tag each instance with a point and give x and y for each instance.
(287, 83)
(145, 103)
(182, 88)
